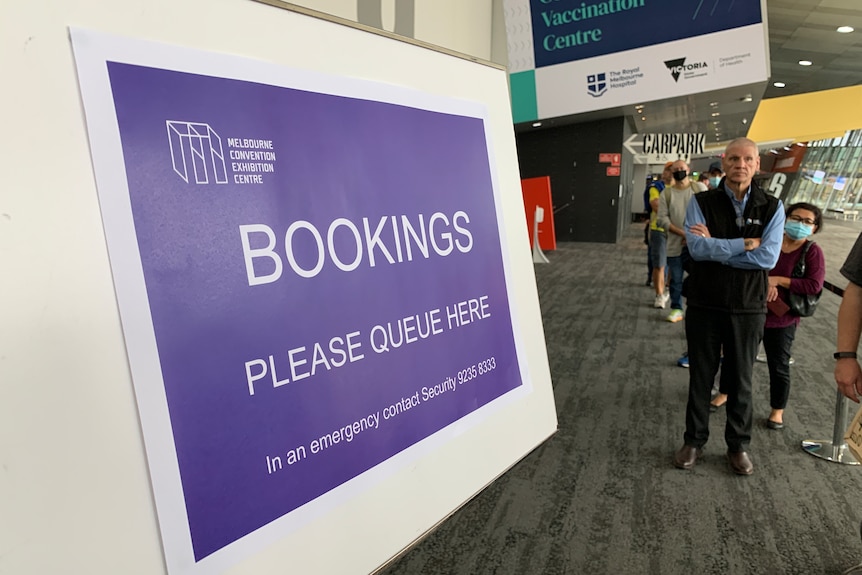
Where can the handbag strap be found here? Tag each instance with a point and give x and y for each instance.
(799, 268)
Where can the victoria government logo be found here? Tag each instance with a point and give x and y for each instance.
(679, 68)
(198, 155)
(597, 84)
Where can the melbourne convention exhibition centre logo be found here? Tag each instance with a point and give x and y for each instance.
(597, 84)
(198, 155)
(196, 152)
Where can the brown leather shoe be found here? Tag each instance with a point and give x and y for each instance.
(740, 463)
(686, 457)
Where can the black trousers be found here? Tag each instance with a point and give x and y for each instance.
(778, 344)
(707, 333)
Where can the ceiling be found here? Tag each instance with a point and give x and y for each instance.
(805, 30)
(798, 30)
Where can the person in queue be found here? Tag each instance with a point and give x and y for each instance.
(734, 235)
(673, 204)
(803, 220)
(659, 185)
(714, 174)
(658, 239)
(848, 374)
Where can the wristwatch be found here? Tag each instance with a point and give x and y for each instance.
(844, 354)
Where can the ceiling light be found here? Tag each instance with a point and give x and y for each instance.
(844, 29)
(643, 117)
(805, 62)
(779, 84)
(536, 124)
(714, 114)
(745, 120)
(713, 104)
(746, 98)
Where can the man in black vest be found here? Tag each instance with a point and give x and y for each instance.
(733, 234)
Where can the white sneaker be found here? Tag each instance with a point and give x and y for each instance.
(661, 301)
(761, 357)
(675, 316)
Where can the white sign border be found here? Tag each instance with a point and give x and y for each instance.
(91, 51)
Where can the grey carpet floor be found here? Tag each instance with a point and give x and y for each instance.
(601, 496)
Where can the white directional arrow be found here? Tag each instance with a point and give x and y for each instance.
(635, 145)
(630, 145)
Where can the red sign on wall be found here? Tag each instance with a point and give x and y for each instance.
(612, 159)
(613, 170)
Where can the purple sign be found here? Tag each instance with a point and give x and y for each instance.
(325, 281)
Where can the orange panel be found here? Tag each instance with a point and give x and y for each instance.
(537, 192)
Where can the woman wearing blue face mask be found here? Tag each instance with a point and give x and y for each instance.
(802, 221)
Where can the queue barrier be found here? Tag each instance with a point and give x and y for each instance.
(836, 213)
(834, 450)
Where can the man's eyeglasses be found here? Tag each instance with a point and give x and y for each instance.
(806, 221)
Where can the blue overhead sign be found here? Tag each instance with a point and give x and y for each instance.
(573, 56)
(568, 30)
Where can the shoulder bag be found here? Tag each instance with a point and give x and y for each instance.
(802, 305)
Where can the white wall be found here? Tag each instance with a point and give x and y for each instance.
(460, 25)
(463, 26)
(499, 46)
(341, 8)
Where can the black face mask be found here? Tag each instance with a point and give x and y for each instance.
(680, 175)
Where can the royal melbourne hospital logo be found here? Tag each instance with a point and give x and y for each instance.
(597, 84)
(196, 152)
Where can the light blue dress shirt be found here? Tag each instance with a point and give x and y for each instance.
(732, 251)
